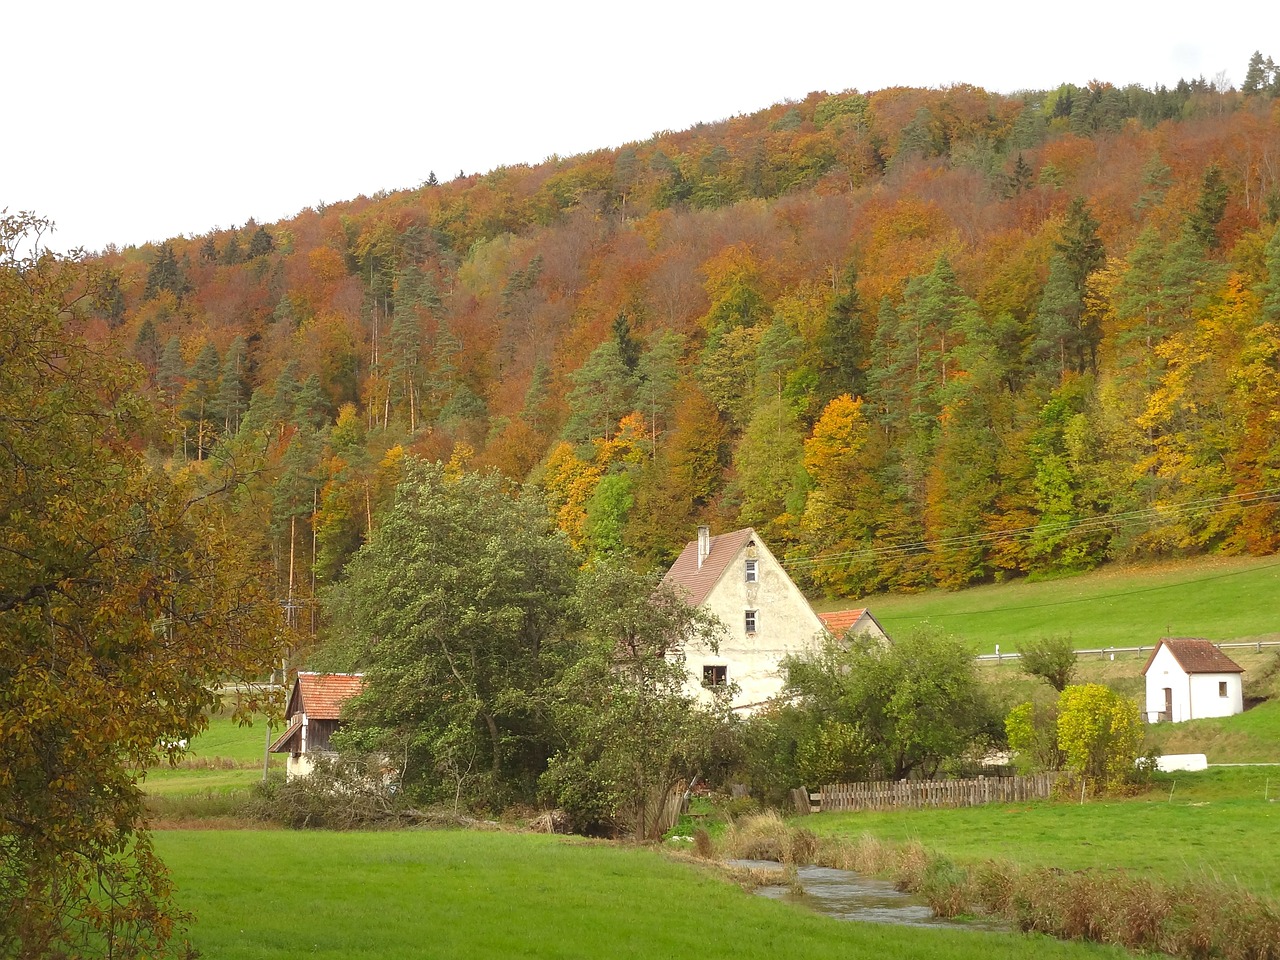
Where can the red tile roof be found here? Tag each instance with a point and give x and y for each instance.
(321, 695)
(1196, 656)
(695, 581)
(838, 622)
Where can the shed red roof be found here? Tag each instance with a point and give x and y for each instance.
(838, 622)
(697, 581)
(321, 695)
(1195, 656)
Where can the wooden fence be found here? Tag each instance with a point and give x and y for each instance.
(919, 794)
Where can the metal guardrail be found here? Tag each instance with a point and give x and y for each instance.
(1104, 651)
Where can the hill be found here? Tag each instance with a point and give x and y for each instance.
(916, 337)
(1222, 599)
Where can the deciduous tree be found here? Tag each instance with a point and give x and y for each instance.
(124, 600)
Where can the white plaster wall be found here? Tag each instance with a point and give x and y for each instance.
(785, 623)
(1194, 697)
(1205, 701)
(1165, 672)
(299, 766)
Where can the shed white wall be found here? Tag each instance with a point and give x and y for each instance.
(1195, 696)
(785, 624)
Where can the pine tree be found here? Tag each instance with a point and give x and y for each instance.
(171, 371)
(1210, 208)
(232, 254)
(200, 399)
(146, 348)
(233, 390)
(260, 243)
(841, 343)
(165, 275)
(628, 345)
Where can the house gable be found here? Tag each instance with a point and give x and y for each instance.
(766, 617)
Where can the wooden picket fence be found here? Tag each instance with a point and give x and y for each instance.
(919, 794)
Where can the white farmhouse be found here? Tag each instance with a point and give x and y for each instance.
(311, 717)
(735, 577)
(1191, 680)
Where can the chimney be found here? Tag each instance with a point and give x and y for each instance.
(704, 544)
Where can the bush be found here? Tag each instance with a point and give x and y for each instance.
(340, 793)
(1099, 734)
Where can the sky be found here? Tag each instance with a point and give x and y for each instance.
(131, 122)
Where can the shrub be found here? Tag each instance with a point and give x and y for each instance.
(1052, 659)
(1099, 734)
(341, 793)
(1032, 730)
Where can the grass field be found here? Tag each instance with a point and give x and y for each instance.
(1218, 598)
(1214, 825)
(275, 895)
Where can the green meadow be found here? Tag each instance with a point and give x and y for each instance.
(1217, 598)
(277, 895)
(1214, 826)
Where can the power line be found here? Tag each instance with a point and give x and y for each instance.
(1118, 521)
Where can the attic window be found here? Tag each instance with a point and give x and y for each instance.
(1222, 688)
(751, 574)
(749, 621)
(714, 675)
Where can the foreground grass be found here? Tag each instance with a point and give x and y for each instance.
(276, 895)
(1213, 826)
(1218, 598)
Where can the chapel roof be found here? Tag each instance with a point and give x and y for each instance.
(1195, 656)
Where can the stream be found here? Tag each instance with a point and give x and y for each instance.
(846, 895)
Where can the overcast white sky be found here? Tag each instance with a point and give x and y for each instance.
(126, 122)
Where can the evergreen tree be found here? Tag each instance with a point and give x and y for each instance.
(232, 254)
(171, 371)
(1256, 79)
(260, 243)
(146, 348)
(311, 406)
(628, 345)
(165, 275)
(841, 346)
(233, 390)
(537, 397)
(1204, 219)
(1082, 253)
(199, 402)
(603, 392)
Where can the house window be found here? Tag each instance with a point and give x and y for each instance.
(750, 621)
(714, 675)
(1222, 688)
(751, 574)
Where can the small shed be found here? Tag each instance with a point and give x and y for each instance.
(312, 715)
(857, 622)
(1190, 679)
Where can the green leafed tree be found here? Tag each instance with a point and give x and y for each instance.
(625, 731)
(448, 609)
(911, 702)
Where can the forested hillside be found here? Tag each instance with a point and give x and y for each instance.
(914, 336)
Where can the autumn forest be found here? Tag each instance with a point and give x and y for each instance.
(916, 337)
